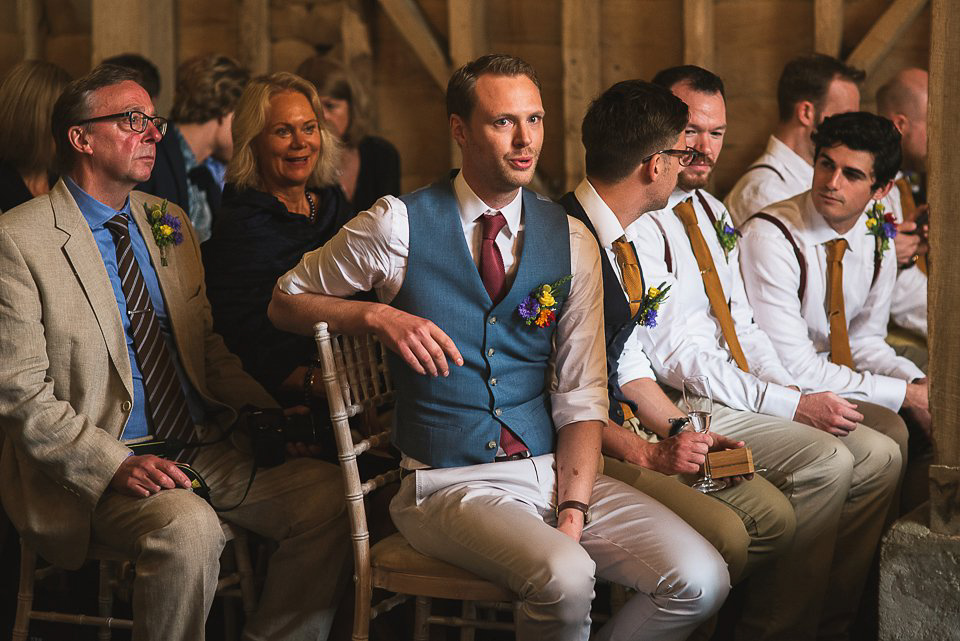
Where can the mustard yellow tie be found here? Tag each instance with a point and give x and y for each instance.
(711, 282)
(629, 272)
(909, 207)
(836, 312)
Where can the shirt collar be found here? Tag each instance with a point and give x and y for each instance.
(793, 161)
(601, 216)
(94, 211)
(818, 231)
(471, 207)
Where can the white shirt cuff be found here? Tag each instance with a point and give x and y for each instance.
(779, 401)
(889, 392)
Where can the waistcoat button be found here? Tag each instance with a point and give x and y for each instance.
(493, 382)
(498, 411)
(491, 352)
(491, 445)
(493, 320)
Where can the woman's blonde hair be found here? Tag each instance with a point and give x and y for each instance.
(333, 79)
(27, 96)
(250, 118)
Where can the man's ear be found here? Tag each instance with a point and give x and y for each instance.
(78, 137)
(901, 122)
(881, 192)
(806, 113)
(458, 129)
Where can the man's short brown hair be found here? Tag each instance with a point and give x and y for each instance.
(808, 78)
(461, 94)
(208, 87)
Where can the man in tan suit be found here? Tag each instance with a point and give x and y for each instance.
(105, 336)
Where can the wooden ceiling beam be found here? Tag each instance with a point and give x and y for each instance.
(409, 20)
(698, 33)
(828, 27)
(581, 79)
(884, 33)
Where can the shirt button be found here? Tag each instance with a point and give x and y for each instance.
(493, 382)
(491, 352)
(491, 445)
(126, 406)
(498, 411)
(493, 320)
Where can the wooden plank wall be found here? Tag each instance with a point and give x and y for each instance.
(752, 39)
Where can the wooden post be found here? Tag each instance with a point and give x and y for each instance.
(581, 79)
(147, 28)
(698, 33)
(944, 198)
(412, 25)
(254, 35)
(828, 27)
(28, 18)
(885, 32)
(467, 21)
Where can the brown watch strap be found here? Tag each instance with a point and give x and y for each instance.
(575, 505)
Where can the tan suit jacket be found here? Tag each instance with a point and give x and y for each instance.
(65, 381)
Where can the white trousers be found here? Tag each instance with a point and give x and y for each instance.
(497, 520)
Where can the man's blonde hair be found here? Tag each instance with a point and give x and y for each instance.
(250, 118)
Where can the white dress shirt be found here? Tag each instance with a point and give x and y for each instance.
(761, 187)
(687, 340)
(908, 309)
(370, 253)
(609, 229)
(800, 329)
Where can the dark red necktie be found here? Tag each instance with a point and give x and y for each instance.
(494, 281)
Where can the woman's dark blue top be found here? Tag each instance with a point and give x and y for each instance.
(255, 241)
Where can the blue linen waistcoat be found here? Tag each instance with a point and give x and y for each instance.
(455, 421)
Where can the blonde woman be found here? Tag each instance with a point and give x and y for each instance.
(27, 94)
(281, 200)
(370, 166)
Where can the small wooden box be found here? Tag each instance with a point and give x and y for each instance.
(731, 462)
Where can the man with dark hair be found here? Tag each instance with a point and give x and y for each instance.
(208, 88)
(501, 450)
(840, 489)
(109, 359)
(625, 133)
(820, 271)
(811, 88)
(148, 76)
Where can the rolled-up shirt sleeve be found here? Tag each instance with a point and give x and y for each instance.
(578, 378)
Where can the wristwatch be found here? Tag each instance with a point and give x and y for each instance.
(677, 425)
(575, 505)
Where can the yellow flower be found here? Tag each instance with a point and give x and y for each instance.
(871, 223)
(166, 230)
(546, 299)
(653, 293)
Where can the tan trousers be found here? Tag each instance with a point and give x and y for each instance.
(749, 523)
(497, 520)
(840, 489)
(176, 540)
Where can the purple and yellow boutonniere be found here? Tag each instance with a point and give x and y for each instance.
(650, 305)
(166, 228)
(539, 308)
(727, 235)
(881, 226)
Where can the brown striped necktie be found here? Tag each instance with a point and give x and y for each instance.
(711, 281)
(836, 311)
(165, 399)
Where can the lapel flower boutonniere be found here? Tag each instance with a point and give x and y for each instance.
(882, 226)
(727, 235)
(166, 228)
(650, 305)
(539, 308)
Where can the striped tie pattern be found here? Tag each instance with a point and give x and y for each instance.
(165, 399)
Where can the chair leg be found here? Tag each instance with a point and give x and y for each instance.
(421, 625)
(105, 598)
(363, 595)
(241, 554)
(469, 610)
(28, 563)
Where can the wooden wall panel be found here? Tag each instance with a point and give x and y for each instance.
(204, 27)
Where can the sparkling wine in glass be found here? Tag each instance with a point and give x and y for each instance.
(699, 406)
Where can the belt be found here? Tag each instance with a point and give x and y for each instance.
(404, 472)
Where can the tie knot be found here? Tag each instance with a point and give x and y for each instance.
(684, 210)
(836, 249)
(118, 225)
(492, 224)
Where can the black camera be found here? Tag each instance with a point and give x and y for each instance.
(270, 431)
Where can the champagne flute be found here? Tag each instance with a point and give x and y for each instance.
(699, 405)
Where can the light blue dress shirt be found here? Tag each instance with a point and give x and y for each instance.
(97, 214)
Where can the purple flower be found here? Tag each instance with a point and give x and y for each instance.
(727, 229)
(650, 318)
(889, 230)
(529, 308)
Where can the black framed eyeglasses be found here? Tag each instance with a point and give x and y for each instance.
(137, 119)
(684, 156)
